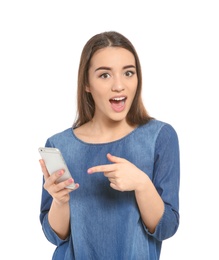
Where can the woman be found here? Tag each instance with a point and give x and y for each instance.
(126, 162)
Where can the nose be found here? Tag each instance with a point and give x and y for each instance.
(117, 85)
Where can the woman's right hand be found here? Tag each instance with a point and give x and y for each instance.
(58, 191)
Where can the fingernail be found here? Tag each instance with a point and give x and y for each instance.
(61, 172)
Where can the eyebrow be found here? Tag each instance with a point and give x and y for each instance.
(108, 68)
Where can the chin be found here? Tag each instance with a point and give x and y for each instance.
(118, 118)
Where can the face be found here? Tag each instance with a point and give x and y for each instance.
(112, 82)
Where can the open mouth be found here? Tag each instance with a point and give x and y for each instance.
(118, 103)
(118, 100)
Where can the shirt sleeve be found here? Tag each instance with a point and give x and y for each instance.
(166, 178)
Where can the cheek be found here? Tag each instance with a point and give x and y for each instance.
(133, 93)
(97, 89)
(133, 87)
(96, 94)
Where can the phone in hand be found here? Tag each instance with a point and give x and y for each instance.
(54, 161)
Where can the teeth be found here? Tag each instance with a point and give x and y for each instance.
(118, 98)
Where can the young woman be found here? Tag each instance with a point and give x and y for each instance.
(126, 163)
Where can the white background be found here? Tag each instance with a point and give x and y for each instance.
(40, 46)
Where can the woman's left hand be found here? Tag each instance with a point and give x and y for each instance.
(122, 174)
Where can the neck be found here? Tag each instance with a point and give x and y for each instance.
(109, 131)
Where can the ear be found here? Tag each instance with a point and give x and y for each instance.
(87, 89)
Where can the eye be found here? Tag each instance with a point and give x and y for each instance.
(129, 73)
(104, 76)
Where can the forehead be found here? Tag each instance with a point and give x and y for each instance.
(112, 56)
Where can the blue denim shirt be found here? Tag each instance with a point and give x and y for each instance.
(105, 223)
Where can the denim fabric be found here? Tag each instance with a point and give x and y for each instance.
(105, 223)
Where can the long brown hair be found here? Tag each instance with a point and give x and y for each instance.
(137, 114)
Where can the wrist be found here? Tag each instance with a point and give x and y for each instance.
(142, 183)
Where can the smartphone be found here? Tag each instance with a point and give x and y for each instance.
(54, 161)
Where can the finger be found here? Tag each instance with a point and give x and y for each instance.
(42, 163)
(62, 185)
(54, 176)
(43, 168)
(114, 186)
(111, 180)
(114, 159)
(101, 168)
(108, 167)
(52, 179)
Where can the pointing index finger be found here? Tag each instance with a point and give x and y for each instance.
(100, 168)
